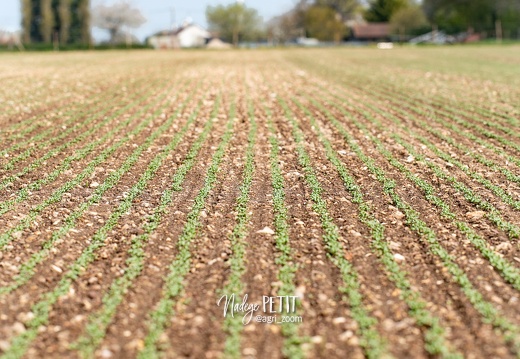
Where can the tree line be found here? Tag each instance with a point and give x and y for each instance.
(328, 20)
(69, 21)
(62, 21)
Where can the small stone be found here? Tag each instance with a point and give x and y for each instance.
(354, 341)
(265, 230)
(275, 329)
(198, 320)
(317, 339)
(399, 257)
(94, 185)
(105, 353)
(394, 245)
(300, 292)
(410, 159)
(346, 335)
(25, 317)
(475, 215)
(277, 284)
(18, 328)
(56, 268)
(504, 246)
(4, 345)
(389, 325)
(398, 214)
(355, 233)
(249, 351)
(339, 320)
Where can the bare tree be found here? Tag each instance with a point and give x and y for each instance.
(117, 16)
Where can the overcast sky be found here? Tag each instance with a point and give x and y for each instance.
(157, 12)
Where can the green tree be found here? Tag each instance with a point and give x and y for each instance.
(346, 8)
(479, 15)
(235, 22)
(65, 20)
(382, 10)
(407, 20)
(47, 21)
(42, 19)
(323, 23)
(81, 21)
(27, 16)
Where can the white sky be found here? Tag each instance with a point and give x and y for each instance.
(157, 12)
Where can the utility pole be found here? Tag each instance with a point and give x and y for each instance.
(172, 18)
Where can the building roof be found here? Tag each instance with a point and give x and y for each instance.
(372, 30)
(177, 31)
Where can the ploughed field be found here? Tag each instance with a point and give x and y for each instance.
(143, 192)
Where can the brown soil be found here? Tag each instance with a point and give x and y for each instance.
(259, 79)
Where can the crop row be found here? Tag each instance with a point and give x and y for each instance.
(20, 129)
(27, 269)
(56, 196)
(493, 214)
(507, 270)
(487, 310)
(233, 325)
(180, 266)
(69, 127)
(79, 155)
(99, 321)
(434, 333)
(42, 308)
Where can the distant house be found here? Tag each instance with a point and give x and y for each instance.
(217, 44)
(188, 35)
(10, 39)
(164, 40)
(371, 31)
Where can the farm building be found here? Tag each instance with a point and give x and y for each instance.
(190, 35)
(371, 31)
